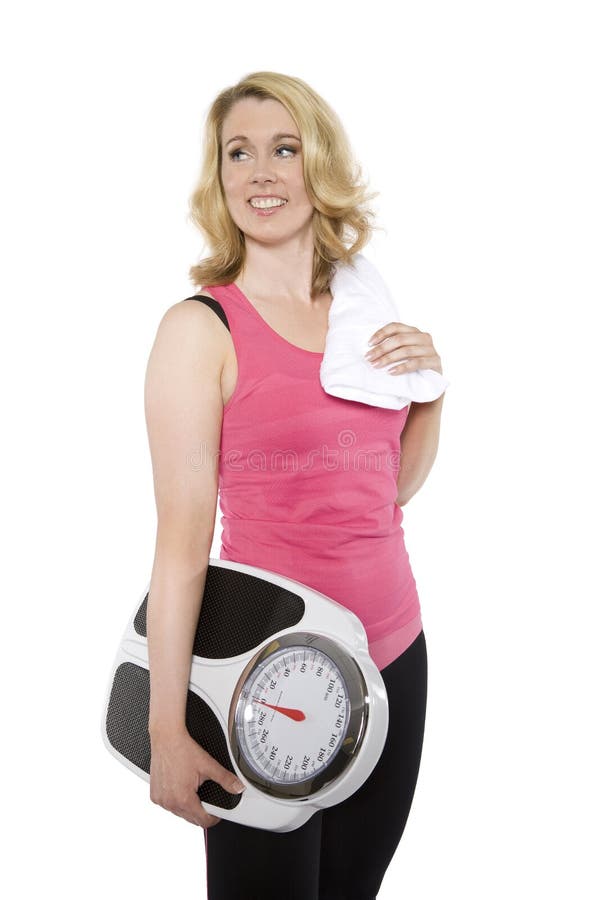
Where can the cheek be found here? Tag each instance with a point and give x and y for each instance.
(231, 179)
(299, 186)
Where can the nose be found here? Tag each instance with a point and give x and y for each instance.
(259, 178)
(262, 171)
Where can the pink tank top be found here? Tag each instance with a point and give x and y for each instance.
(307, 482)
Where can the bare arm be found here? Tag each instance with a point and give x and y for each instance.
(419, 442)
(183, 407)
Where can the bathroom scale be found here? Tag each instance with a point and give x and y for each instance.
(282, 692)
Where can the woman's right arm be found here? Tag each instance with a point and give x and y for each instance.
(184, 409)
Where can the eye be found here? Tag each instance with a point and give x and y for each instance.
(234, 153)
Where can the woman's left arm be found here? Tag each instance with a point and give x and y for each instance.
(419, 445)
(411, 349)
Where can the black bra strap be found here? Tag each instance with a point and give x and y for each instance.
(214, 305)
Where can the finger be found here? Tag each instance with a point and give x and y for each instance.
(207, 821)
(184, 813)
(195, 813)
(226, 778)
(416, 342)
(190, 819)
(388, 330)
(395, 354)
(425, 362)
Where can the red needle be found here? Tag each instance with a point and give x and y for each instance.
(296, 714)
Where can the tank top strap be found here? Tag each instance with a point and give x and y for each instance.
(214, 305)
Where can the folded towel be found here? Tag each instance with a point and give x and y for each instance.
(361, 304)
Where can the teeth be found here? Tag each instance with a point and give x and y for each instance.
(267, 203)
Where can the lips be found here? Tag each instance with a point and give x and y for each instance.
(268, 209)
(266, 197)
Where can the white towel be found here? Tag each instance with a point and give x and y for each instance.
(361, 304)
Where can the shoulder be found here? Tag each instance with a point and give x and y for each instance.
(193, 328)
(185, 312)
(207, 301)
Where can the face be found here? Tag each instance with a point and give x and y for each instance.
(256, 161)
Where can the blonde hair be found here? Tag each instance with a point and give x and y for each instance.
(331, 175)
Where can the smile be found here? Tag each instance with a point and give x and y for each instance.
(267, 208)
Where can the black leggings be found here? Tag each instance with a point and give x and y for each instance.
(343, 851)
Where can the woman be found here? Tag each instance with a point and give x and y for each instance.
(245, 387)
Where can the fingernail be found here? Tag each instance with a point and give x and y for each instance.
(239, 787)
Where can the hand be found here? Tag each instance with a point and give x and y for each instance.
(178, 766)
(397, 341)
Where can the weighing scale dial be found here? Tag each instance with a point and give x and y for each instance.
(298, 715)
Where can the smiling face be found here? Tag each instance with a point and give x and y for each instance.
(262, 155)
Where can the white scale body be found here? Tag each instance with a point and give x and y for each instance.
(304, 714)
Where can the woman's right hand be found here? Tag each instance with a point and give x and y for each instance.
(178, 766)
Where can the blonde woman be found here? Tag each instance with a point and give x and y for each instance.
(279, 199)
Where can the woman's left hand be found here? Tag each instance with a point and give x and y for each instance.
(397, 341)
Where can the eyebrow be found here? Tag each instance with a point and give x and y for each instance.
(276, 137)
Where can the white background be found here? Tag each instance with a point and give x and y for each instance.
(478, 123)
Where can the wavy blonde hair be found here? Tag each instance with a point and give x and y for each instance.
(342, 220)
